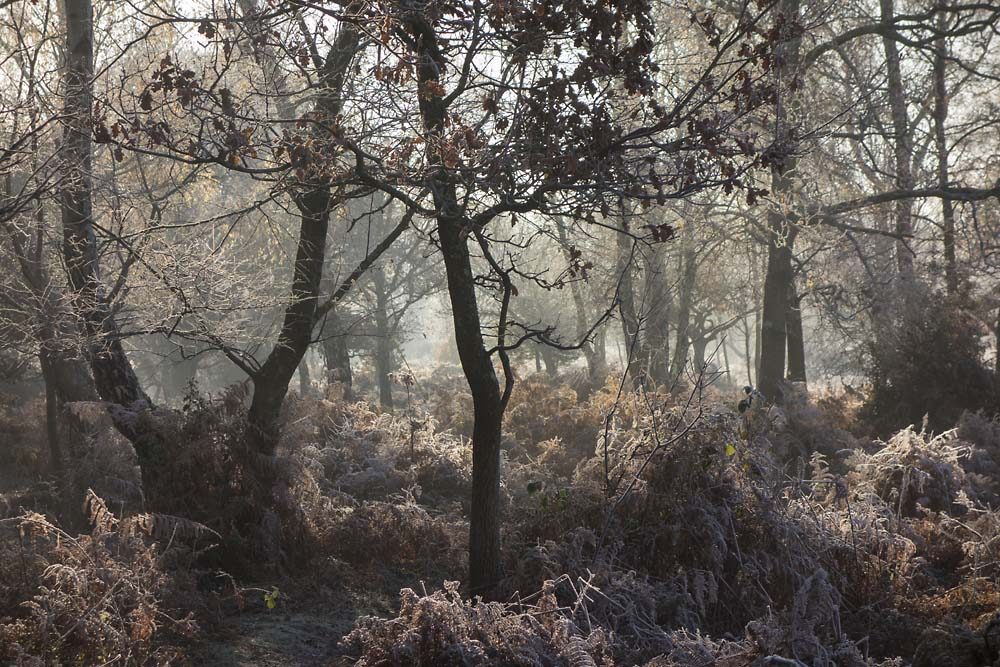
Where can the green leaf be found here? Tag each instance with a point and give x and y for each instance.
(271, 599)
(730, 449)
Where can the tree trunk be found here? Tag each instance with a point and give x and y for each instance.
(477, 365)
(51, 417)
(631, 334)
(551, 358)
(941, 144)
(601, 352)
(700, 346)
(484, 523)
(757, 328)
(384, 365)
(66, 376)
(781, 236)
(775, 311)
(658, 325)
(902, 145)
(689, 274)
(725, 361)
(181, 370)
(337, 354)
(796, 338)
(996, 348)
(114, 378)
(305, 382)
(271, 380)
(596, 368)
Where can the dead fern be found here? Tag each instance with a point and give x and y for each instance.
(101, 519)
(168, 528)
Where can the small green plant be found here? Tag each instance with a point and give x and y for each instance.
(271, 598)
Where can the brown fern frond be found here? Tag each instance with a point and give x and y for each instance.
(100, 517)
(576, 653)
(167, 527)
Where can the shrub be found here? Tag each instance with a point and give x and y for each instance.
(915, 470)
(443, 629)
(930, 364)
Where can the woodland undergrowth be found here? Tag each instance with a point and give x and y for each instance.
(639, 528)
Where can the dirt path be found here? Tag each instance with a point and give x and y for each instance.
(277, 639)
(305, 628)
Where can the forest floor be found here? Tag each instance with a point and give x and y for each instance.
(804, 541)
(307, 624)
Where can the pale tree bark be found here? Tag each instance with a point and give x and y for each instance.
(305, 381)
(996, 349)
(596, 364)
(383, 340)
(902, 146)
(689, 275)
(631, 326)
(754, 370)
(550, 357)
(941, 144)
(796, 338)
(657, 342)
(337, 355)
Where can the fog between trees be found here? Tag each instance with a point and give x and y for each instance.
(667, 310)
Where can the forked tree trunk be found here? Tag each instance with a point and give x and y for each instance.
(484, 520)
(477, 365)
(271, 380)
(781, 236)
(65, 374)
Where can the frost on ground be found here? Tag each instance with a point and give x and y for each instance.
(677, 533)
